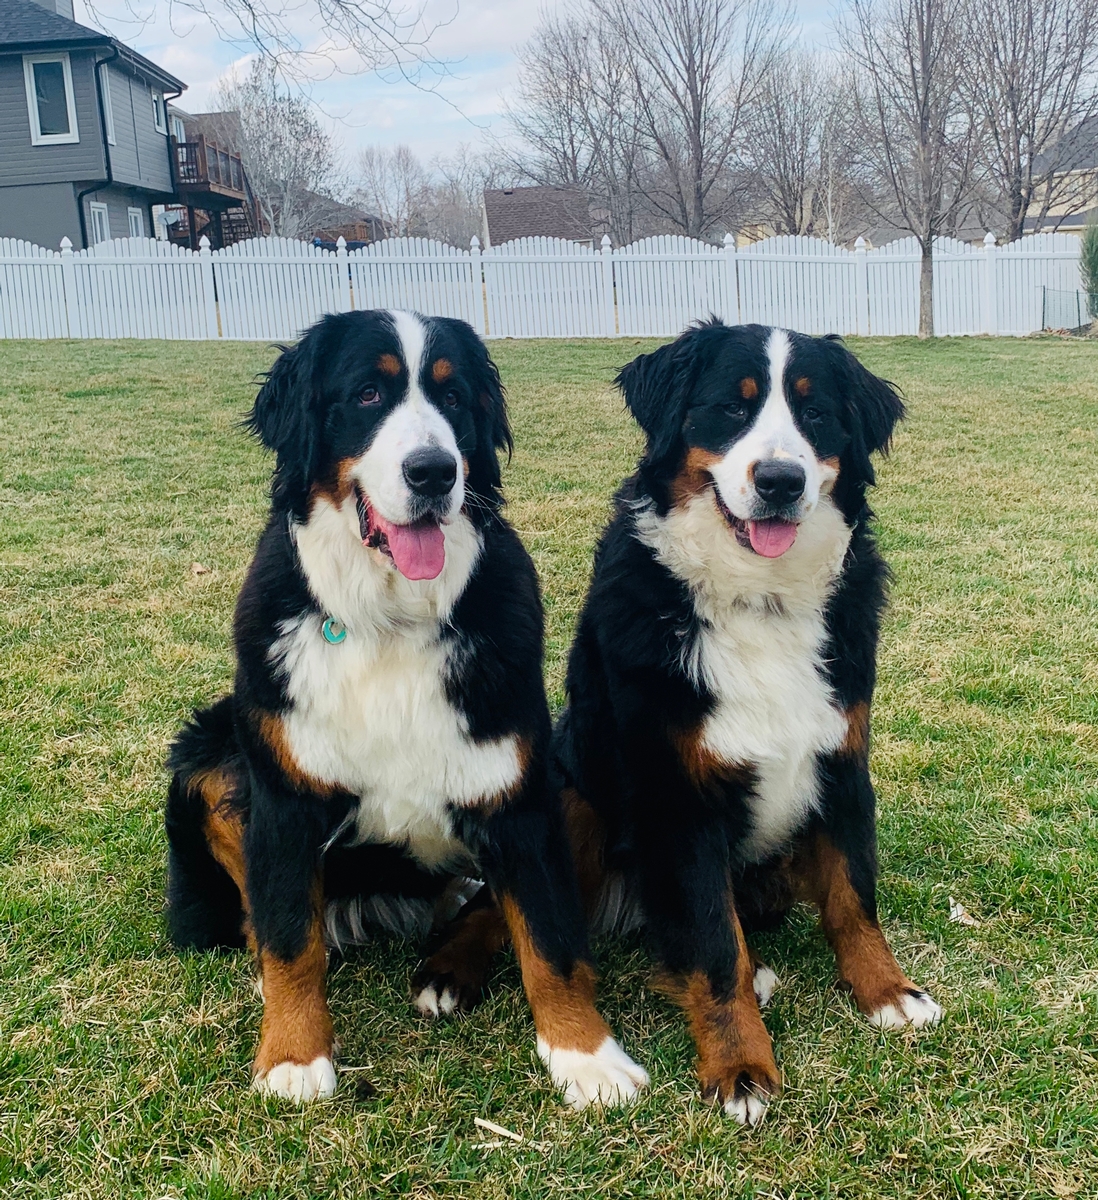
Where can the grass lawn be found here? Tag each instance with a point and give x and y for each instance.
(124, 1066)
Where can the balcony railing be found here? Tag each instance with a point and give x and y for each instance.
(201, 165)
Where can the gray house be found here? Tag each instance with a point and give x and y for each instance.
(84, 149)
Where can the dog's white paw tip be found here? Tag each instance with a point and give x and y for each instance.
(299, 1082)
(916, 1009)
(748, 1108)
(609, 1076)
(427, 1002)
(765, 982)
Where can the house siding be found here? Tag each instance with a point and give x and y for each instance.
(118, 200)
(23, 163)
(42, 213)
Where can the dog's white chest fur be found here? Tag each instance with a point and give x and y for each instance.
(371, 714)
(759, 654)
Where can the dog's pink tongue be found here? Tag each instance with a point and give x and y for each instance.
(771, 538)
(418, 550)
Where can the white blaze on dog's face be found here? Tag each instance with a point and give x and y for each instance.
(767, 441)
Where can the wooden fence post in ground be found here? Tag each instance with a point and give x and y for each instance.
(609, 315)
(861, 287)
(480, 320)
(209, 294)
(991, 299)
(73, 325)
(344, 274)
(732, 280)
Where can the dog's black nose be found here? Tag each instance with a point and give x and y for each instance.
(779, 481)
(430, 471)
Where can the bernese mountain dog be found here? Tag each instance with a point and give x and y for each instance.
(714, 748)
(386, 741)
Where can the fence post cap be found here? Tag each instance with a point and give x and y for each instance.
(989, 238)
(66, 243)
(341, 242)
(474, 242)
(859, 242)
(605, 243)
(729, 241)
(203, 242)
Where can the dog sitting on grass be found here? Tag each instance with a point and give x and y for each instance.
(715, 748)
(387, 734)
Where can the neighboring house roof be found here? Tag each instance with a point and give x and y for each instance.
(1077, 150)
(25, 25)
(546, 211)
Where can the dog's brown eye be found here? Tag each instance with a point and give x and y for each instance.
(451, 398)
(369, 395)
(810, 413)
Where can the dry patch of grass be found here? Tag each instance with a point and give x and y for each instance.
(125, 1065)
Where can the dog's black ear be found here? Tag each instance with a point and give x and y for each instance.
(873, 407)
(284, 418)
(653, 386)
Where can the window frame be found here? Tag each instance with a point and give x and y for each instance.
(38, 138)
(108, 108)
(139, 213)
(160, 111)
(96, 208)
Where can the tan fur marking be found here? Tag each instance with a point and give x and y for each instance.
(749, 388)
(442, 370)
(703, 768)
(472, 940)
(803, 386)
(587, 837)
(297, 1026)
(731, 1039)
(337, 486)
(273, 733)
(863, 956)
(564, 1009)
(693, 476)
(856, 742)
(389, 364)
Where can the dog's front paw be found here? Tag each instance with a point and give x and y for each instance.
(744, 1091)
(765, 981)
(608, 1076)
(298, 1082)
(912, 1006)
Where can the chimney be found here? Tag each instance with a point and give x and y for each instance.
(63, 8)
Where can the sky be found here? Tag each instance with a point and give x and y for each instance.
(478, 39)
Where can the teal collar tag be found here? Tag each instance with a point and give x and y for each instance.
(334, 631)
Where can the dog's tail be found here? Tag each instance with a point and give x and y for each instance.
(204, 909)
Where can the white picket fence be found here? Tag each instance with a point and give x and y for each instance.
(270, 289)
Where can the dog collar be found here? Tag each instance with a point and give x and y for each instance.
(334, 631)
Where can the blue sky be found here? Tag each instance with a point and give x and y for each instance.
(477, 37)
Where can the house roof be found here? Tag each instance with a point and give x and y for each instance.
(1077, 150)
(26, 25)
(546, 211)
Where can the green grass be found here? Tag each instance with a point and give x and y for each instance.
(124, 1066)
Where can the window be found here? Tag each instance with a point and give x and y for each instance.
(50, 102)
(179, 130)
(160, 117)
(137, 222)
(108, 108)
(100, 223)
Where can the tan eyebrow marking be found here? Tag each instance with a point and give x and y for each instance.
(749, 388)
(803, 386)
(442, 370)
(389, 364)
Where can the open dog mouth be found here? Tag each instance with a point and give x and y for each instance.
(418, 550)
(770, 538)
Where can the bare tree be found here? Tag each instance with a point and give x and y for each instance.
(1032, 81)
(292, 163)
(697, 69)
(918, 139)
(453, 209)
(393, 184)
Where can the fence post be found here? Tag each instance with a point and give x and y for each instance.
(732, 280)
(991, 300)
(480, 323)
(209, 292)
(344, 270)
(73, 324)
(609, 314)
(861, 287)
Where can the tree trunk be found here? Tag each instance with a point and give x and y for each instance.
(926, 292)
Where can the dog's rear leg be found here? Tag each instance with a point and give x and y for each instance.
(453, 975)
